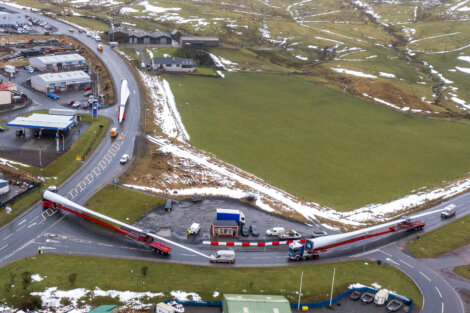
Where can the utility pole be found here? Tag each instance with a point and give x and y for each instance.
(332, 284)
(40, 162)
(300, 290)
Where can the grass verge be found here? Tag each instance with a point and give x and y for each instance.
(463, 271)
(204, 280)
(123, 204)
(63, 166)
(316, 142)
(442, 240)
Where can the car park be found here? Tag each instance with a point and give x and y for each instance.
(319, 233)
(244, 230)
(124, 159)
(254, 230)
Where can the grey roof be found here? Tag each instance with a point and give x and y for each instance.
(138, 32)
(171, 60)
(224, 223)
(4, 183)
(46, 121)
(74, 76)
(189, 38)
(52, 59)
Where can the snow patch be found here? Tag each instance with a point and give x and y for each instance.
(354, 73)
(182, 295)
(388, 75)
(36, 277)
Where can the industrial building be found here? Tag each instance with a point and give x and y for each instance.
(199, 42)
(137, 36)
(56, 63)
(169, 64)
(9, 18)
(45, 121)
(224, 228)
(233, 303)
(58, 82)
(5, 95)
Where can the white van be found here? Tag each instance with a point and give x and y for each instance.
(275, 231)
(381, 297)
(223, 256)
(9, 69)
(97, 38)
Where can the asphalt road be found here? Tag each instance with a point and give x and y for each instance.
(61, 232)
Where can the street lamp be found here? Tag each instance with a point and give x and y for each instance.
(63, 142)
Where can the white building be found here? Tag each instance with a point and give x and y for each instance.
(4, 186)
(5, 95)
(169, 64)
(57, 82)
(8, 18)
(56, 63)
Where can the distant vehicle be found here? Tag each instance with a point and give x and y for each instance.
(9, 69)
(20, 133)
(71, 102)
(1, 128)
(394, 305)
(81, 30)
(448, 211)
(88, 93)
(223, 256)
(85, 69)
(169, 204)
(194, 229)
(367, 297)
(76, 104)
(229, 214)
(87, 88)
(381, 297)
(319, 233)
(164, 308)
(31, 70)
(52, 189)
(71, 30)
(142, 65)
(291, 234)
(355, 295)
(275, 231)
(245, 231)
(97, 38)
(124, 159)
(113, 132)
(253, 230)
(177, 306)
(100, 47)
(113, 44)
(53, 96)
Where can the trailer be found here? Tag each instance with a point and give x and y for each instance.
(311, 248)
(52, 200)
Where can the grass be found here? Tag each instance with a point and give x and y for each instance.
(204, 280)
(123, 204)
(442, 240)
(463, 270)
(318, 143)
(63, 166)
(201, 70)
(87, 22)
(131, 52)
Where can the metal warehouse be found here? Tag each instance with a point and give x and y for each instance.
(55, 63)
(57, 82)
(233, 303)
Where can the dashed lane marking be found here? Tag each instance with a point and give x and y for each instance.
(424, 275)
(3, 247)
(405, 263)
(392, 261)
(21, 222)
(5, 238)
(438, 291)
(442, 311)
(31, 225)
(385, 253)
(19, 229)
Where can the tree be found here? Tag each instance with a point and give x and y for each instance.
(72, 278)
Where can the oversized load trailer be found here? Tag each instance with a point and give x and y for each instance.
(55, 201)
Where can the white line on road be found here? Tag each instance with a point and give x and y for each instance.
(185, 254)
(385, 253)
(405, 263)
(7, 237)
(102, 164)
(438, 291)
(34, 218)
(108, 158)
(392, 261)
(3, 247)
(89, 179)
(20, 228)
(21, 222)
(31, 225)
(442, 311)
(424, 275)
(96, 171)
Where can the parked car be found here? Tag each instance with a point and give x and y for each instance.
(168, 204)
(124, 159)
(275, 231)
(244, 230)
(76, 104)
(87, 88)
(71, 102)
(53, 96)
(319, 233)
(88, 93)
(71, 30)
(1, 128)
(194, 229)
(86, 70)
(88, 34)
(394, 305)
(367, 297)
(291, 234)
(80, 30)
(355, 295)
(253, 230)
(177, 306)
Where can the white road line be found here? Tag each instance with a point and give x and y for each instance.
(385, 253)
(21, 222)
(424, 275)
(438, 291)
(3, 247)
(5, 238)
(108, 158)
(185, 254)
(392, 261)
(406, 263)
(442, 311)
(31, 225)
(89, 179)
(20, 228)
(102, 165)
(34, 218)
(96, 171)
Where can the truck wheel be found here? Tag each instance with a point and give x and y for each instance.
(297, 258)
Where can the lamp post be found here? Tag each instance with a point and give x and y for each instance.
(300, 290)
(332, 284)
(63, 142)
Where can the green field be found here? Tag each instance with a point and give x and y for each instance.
(463, 271)
(438, 242)
(204, 280)
(318, 143)
(123, 204)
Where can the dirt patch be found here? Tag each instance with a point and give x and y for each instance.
(14, 174)
(30, 156)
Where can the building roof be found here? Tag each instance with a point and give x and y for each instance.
(138, 32)
(8, 85)
(170, 60)
(225, 223)
(64, 77)
(189, 38)
(52, 59)
(4, 89)
(45, 121)
(103, 309)
(4, 183)
(234, 303)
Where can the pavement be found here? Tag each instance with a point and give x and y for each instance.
(61, 232)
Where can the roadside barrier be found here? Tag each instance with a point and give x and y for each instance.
(251, 244)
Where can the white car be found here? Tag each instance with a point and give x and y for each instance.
(76, 104)
(124, 159)
(275, 231)
(177, 306)
(88, 34)
(194, 228)
(97, 38)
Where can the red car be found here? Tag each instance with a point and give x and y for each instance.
(88, 93)
(87, 88)
(71, 102)
(80, 30)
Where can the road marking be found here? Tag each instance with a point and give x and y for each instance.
(80, 185)
(21, 222)
(107, 158)
(20, 228)
(31, 225)
(3, 247)
(438, 291)
(385, 253)
(71, 192)
(96, 171)
(102, 164)
(188, 254)
(424, 275)
(7, 237)
(34, 218)
(88, 178)
(392, 261)
(405, 263)
(442, 311)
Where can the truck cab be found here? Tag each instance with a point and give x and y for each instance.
(296, 251)
(448, 211)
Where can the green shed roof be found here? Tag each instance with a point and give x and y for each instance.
(103, 309)
(255, 304)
